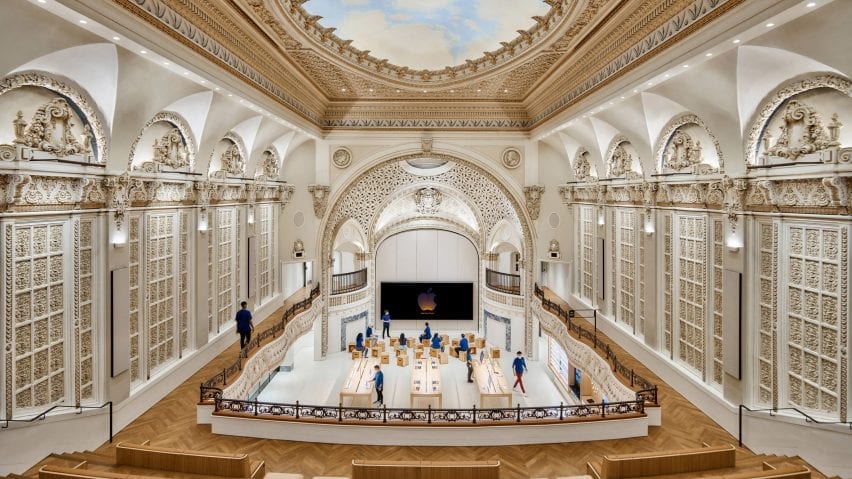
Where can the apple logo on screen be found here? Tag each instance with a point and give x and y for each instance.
(426, 301)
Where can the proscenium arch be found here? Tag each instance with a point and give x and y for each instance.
(362, 196)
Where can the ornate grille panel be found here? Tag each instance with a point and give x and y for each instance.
(134, 281)
(237, 285)
(643, 219)
(613, 279)
(266, 235)
(212, 325)
(183, 272)
(765, 334)
(85, 360)
(692, 292)
(587, 241)
(668, 305)
(35, 315)
(160, 290)
(718, 262)
(226, 278)
(814, 317)
(627, 266)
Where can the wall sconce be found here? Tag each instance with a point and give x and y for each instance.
(734, 243)
(649, 228)
(202, 222)
(601, 219)
(119, 239)
(250, 216)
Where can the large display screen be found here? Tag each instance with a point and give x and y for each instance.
(428, 300)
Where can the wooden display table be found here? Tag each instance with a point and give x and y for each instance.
(491, 382)
(426, 380)
(355, 385)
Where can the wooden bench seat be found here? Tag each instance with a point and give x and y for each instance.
(50, 471)
(624, 466)
(188, 461)
(425, 469)
(785, 471)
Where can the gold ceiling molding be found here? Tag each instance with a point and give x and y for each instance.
(527, 40)
(278, 49)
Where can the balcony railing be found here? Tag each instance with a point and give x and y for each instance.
(348, 282)
(503, 282)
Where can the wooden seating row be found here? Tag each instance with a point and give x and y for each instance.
(623, 466)
(425, 469)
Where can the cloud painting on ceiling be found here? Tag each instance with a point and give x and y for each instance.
(427, 34)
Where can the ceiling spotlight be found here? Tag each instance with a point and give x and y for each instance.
(116, 38)
(505, 91)
(612, 103)
(186, 73)
(811, 4)
(203, 81)
(736, 41)
(144, 52)
(686, 66)
(166, 63)
(635, 91)
(241, 100)
(343, 89)
(83, 22)
(371, 90)
(708, 54)
(770, 25)
(650, 84)
(622, 98)
(230, 94)
(397, 91)
(452, 91)
(667, 75)
(424, 91)
(217, 88)
(42, 1)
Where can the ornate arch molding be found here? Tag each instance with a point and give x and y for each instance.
(442, 224)
(672, 127)
(774, 101)
(615, 155)
(68, 89)
(364, 195)
(243, 157)
(177, 121)
(269, 167)
(411, 190)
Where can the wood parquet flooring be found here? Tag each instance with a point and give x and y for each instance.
(172, 423)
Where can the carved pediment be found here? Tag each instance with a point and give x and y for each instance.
(801, 134)
(582, 166)
(50, 132)
(269, 167)
(232, 161)
(620, 162)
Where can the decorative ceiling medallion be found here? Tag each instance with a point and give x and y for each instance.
(511, 158)
(427, 200)
(342, 157)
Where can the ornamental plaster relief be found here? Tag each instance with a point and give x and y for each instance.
(678, 151)
(38, 135)
(175, 149)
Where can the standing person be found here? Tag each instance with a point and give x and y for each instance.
(519, 365)
(469, 366)
(427, 332)
(386, 324)
(379, 379)
(244, 325)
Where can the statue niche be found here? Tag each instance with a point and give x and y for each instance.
(50, 134)
(231, 162)
(169, 150)
(269, 166)
(683, 155)
(581, 166)
(802, 137)
(621, 163)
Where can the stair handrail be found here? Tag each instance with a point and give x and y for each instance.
(42, 415)
(648, 390)
(773, 411)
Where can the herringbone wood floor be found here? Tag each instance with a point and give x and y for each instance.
(171, 423)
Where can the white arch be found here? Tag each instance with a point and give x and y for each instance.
(194, 109)
(93, 67)
(659, 112)
(247, 131)
(761, 70)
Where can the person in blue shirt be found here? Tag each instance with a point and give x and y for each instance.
(519, 365)
(469, 359)
(370, 334)
(379, 380)
(359, 346)
(436, 342)
(403, 341)
(427, 333)
(463, 344)
(244, 325)
(386, 324)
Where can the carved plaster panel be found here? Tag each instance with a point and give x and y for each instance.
(676, 151)
(232, 161)
(178, 149)
(319, 195)
(85, 104)
(270, 164)
(781, 95)
(511, 158)
(341, 157)
(532, 194)
(813, 138)
(582, 167)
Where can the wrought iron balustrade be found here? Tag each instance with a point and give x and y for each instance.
(503, 282)
(348, 282)
(429, 416)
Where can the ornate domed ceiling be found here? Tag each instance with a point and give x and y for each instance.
(430, 35)
(297, 54)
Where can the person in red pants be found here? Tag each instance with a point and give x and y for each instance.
(519, 365)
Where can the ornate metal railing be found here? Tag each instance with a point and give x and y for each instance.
(647, 389)
(212, 388)
(473, 416)
(503, 282)
(348, 282)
